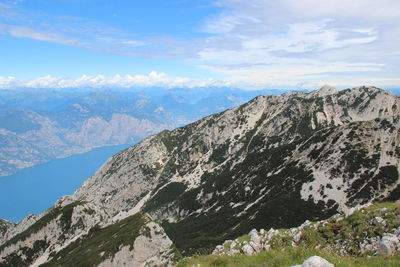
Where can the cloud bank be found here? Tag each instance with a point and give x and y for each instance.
(153, 79)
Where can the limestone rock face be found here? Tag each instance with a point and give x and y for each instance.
(79, 233)
(324, 91)
(5, 227)
(151, 248)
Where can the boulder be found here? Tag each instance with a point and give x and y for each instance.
(378, 221)
(233, 245)
(248, 250)
(388, 245)
(397, 232)
(266, 246)
(297, 237)
(255, 238)
(218, 249)
(315, 261)
(256, 246)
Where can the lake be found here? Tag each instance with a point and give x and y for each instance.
(33, 190)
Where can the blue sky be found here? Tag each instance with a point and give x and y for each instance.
(247, 44)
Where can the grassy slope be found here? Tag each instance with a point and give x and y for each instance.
(288, 257)
(351, 229)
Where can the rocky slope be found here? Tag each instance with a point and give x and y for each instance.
(79, 234)
(5, 227)
(275, 161)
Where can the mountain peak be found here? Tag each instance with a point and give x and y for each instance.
(324, 91)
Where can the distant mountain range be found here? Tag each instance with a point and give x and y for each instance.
(37, 125)
(275, 161)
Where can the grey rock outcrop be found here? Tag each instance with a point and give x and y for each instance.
(378, 221)
(5, 226)
(151, 249)
(248, 249)
(388, 245)
(80, 233)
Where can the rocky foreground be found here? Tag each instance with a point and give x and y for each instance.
(373, 230)
(365, 233)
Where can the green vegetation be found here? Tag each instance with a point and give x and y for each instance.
(100, 243)
(30, 254)
(288, 257)
(348, 232)
(200, 233)
(318, 239)
(4, 225)
(168, 194)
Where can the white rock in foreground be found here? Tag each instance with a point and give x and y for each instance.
(388, 245)
(315, 261)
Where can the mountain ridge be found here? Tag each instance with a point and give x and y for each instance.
(272, 162)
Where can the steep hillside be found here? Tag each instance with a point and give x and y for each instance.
(275, 161)
(5, 226)
(312, 154)
(78, 234)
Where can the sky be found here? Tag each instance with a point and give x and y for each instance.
(195, 43)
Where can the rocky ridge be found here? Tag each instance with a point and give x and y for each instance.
(5, 227)
(272, 162)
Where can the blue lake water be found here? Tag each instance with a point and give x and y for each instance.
(34, 189)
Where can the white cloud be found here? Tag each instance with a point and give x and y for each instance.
(26, 32)
(286, 42)
(280, 76)
(153, 79)
(66, 30)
